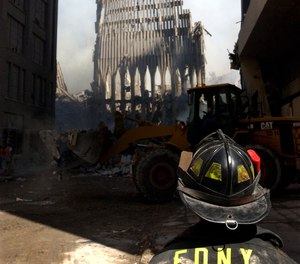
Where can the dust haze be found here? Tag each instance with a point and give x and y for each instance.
(76, 38)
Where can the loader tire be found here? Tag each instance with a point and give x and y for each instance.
(139, 153)
(156, 176)
(270, 167)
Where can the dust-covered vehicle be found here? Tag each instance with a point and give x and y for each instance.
(154, 150)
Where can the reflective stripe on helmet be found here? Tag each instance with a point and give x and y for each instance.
(214, 172)
(196, 166)
(243, 175)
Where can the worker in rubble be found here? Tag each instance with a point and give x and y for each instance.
(219, 183)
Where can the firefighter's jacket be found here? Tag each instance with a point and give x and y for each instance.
(207, 243)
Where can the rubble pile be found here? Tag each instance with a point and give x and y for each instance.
(72, 111)
(77, 147)
(90, 144)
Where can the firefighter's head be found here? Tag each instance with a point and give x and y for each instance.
(219, 182)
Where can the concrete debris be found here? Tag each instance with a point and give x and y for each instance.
(42, 203)
(50, 138)
(88, 145)
(122, 168)
(22, 200)
(85, 145)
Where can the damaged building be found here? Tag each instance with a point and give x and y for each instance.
(147, 53)
(267, 54)
(28, 73)
(68, 105)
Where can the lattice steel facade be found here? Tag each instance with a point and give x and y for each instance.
(145, 49)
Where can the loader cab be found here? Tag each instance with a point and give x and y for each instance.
(212, 107)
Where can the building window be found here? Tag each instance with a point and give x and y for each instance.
(18, 3)
(38, 50)
(16, 83)
(40, 13)
(39, 96)
(16, 35)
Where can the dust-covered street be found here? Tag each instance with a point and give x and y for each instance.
(77, 218)
(81, 219)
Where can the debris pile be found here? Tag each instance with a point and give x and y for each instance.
(82, 149)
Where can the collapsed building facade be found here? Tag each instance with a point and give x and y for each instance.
(68, 105)
(147, 53)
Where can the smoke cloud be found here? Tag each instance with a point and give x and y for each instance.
(221, 18)
(76, 38)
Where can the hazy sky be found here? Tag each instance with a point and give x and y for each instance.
(76, 38)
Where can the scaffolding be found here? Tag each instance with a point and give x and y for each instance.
(147, 53)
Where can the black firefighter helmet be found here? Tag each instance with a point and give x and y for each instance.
(219, 182)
